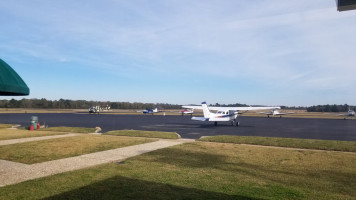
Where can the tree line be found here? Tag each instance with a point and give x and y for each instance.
(245, 105)
(80, 104)
(330, 108)
(83, 104)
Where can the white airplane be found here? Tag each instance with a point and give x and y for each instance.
(95, 109)
(275, 112)
(223, 114)
(149, 111)
(349, 113)
(98, 109)
(106, 108)
(185, 112)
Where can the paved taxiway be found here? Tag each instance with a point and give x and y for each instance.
(328, 129)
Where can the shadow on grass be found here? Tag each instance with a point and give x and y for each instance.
(205, 160)
(342, 181)
(201, 159)
(186, 158)
(120, 187)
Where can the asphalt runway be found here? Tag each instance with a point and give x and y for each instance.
(327, 129)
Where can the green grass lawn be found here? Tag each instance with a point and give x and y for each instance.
(5, 126)
(7, 134)
(69, 129)
(333, 145)
(149, 134)
(204, 170)
(53, 149)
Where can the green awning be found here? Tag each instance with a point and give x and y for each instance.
(11, 84)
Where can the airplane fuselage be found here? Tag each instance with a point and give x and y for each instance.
(150, 111)
(274, 113)
(223, 116)
(147, 112)
(351, 113)
(187, 112)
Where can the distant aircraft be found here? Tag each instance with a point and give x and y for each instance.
(106, 108)
(349, 114)
(223, 114)
(97, 109)
(185, 112)
(149, 111)
(275, 112)
(94, 109)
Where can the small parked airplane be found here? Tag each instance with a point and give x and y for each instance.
(349, 113)
(94, 109)
(149, 111)
(185, 112)
(275, 112)
(223, 114)
(98, 109)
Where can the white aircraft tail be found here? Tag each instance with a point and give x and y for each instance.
(155, 110)
(206, 110)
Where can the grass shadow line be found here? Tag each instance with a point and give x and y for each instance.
(120, 187)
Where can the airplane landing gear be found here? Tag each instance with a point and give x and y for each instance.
(235, 123)
(215, 123)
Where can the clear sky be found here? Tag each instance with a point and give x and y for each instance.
(266, 52)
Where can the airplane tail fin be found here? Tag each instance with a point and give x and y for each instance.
(155, 110)
(206, 110)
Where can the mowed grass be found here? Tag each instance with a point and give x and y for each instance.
(204, 170)
(53, 149)
(332, 145)
(7, 134)
(69, 129)
(149, 134)
(5, 126)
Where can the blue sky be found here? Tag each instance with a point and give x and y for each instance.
(275, 52)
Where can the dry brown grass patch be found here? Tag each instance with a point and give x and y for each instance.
(7, 134)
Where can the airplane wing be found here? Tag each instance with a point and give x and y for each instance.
(276, 113)
(193, 107)
(233, 108)
(283, 113)
(288, 113)
(200, 118)
(266, 113)
(243, 108)
(342, 114)
(142, 111)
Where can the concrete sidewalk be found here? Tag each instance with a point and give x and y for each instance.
(12, 172)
